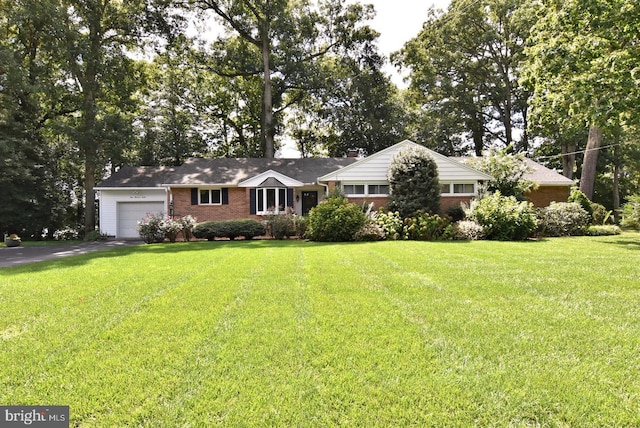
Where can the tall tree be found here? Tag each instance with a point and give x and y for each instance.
(582, 63)
(468, 80)
(96, 37)
(358, 109)
(33, 94)
(281, 41)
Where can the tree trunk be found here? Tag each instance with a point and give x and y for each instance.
(267, 110)
(588, 178)
(616, 192)
(568, 159)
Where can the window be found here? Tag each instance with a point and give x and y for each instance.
(467, 188)
(365, 189)
(353, 189)
(378, 189)
(271, 200)
(445, 188)
(210, 197)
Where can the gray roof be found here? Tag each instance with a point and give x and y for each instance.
(540, 174)
(545, 176)
(230, 172)
(138, 176)
(223, 171)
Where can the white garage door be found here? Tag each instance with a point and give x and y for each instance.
(130, 213)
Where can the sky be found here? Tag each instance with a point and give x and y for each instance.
(399, 21)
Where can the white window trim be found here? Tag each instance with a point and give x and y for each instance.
(451, 188)
(366, 189)
(210, 190)
(276, 209)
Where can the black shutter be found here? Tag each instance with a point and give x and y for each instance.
(194, 196)
(290, 197)
(252, 201)
(225, 196)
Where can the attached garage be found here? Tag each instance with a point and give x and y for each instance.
(128, 196)
(130, 213)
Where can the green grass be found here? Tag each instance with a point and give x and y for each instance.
(277, 333)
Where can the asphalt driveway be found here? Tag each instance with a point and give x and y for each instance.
(16, 256)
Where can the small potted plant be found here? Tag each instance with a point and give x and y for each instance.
(12, 240)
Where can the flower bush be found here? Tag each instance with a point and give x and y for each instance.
(467, 230)
(391, 224)
(149, 228)
(170, 227)
(188, 223)
(564, 219)
(427, 227)
(504, 218)
(66, 234)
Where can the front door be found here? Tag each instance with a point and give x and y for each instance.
(309, 200)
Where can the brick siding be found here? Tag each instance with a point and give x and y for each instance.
(544, 195)
(238, 207)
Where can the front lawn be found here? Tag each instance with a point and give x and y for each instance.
(288, 333)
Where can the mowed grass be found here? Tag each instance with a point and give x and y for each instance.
(276, 333)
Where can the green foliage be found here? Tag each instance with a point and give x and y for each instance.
(371, 231)
(456, 213)
(391, 224)
(563, 219)
(580, 198)
(508, 172)
(631, 213)
(96, 236)
(334, 220)
(231, 229)
(504, 218)
(465, 83)
(413, 180)
(427, 227)
(604, 230)
(600, 215)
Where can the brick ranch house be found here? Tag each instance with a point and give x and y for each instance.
(225, 189)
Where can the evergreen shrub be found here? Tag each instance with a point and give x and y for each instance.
(631, 213)
(335, 220)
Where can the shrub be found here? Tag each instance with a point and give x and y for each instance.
(249, 228)
(371, 231)
(413, 180)
(301, 226)
(604, 230)
(66, 234)
(391, 224)
(504, 217)
(467, 230)
(231, 229)
(508, 172)
(170, 227)
(580, 198)
(427, 227)
(188, 223)
(600, 214)
(631, 213)
(281, 226)
(95, 235)
(563, 219)
(149, 228)
(335, 220)
(456, 213)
